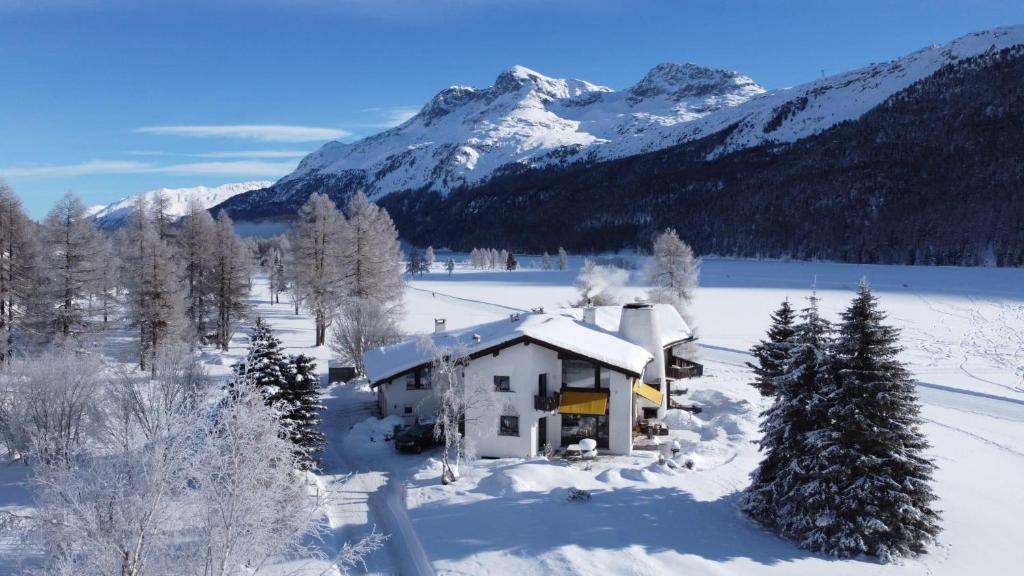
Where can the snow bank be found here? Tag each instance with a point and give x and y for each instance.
(374, 430)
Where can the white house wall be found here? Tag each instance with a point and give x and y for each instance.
(396, 397)
(522, 363)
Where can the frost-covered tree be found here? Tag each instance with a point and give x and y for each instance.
(371, 258)
(47, 404)
(196, 242)
(301, 395)
(545, 262)
(160, 212)
(250, 502)
(372, 280)
(807, 371)
(428, 258)
(771, 354)
(106, 285)
(673, 271)
(599, 285)
(364, 323)
(231, 279)
(277, 273)
(456, 404)
(18, 267)
(153, 279)
(865, 486)
(70, 264)
(563, 258)
(317, 258)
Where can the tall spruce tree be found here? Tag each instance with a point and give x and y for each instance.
(806, 370)
(265, 365)
(289, 385)
(771, 354)
(867, 487)
(301, 395)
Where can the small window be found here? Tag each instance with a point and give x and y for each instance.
(408, 409)
(509, 426)
(418, 379)
(502, 384)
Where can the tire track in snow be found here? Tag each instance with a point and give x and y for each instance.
(977, 437)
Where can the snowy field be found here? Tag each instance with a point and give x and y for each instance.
(963, 330)
(964, 335)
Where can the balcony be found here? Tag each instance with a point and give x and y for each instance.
(681, 368)
(546, 403)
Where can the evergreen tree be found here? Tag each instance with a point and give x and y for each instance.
(289, 385)
(510, 262)
(301, 395)
(771, 354)
(415, 265)
(450, 266)
(867, 487)
(806, 371)
(265, 365)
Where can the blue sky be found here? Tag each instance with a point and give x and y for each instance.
(109, 98)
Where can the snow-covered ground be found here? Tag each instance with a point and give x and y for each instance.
(964, 335)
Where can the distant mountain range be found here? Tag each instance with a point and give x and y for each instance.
(685, 139)
(115, 214)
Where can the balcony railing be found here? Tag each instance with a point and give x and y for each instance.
(546, 403)
(681, 368)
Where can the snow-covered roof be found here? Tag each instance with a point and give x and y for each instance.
(671, 325)
(562, 331)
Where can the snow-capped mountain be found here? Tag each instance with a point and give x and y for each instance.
(464, 134)
(789, 114)
(115, 214)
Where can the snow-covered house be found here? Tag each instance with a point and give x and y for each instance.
(549, 378)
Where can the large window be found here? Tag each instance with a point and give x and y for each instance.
(508, 426)
(577, 373)
(502, 384)
(576, 427)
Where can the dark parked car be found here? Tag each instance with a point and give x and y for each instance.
(417, 438)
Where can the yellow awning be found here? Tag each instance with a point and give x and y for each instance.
(649, 392)
(582, 402)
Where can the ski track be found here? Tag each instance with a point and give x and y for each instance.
(469, 302)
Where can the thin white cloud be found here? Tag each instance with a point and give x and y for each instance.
(235, 168)
(250, 168)
(390, 116)
(260, 132)
(80, 169)
(254, 154)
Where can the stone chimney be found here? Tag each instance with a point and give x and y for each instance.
(590, 314)
(439, 324)
(639, 325)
